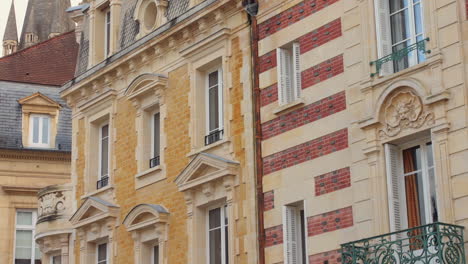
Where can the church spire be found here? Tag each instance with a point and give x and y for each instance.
(10, 37)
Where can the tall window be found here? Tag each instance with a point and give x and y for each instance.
(411, 181)
(56, 259)
(39, 131)
(218, 252)
(101, 253)
(289, 73)
(26, 250)
(155, 139)
(155, 258)
(294, 224)
(214, 107)
(400, 24)
(107, 33)
(103, 156)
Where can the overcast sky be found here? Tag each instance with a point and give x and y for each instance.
(20, 8)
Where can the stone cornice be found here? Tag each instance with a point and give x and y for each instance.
(34, 154)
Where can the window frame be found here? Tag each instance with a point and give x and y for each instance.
(100, 176)
(54, 256)
(301, 244)
(294, 80)
(41, 123)
(152, 253)
(107, 31)
(107, 252)
(32, 228)
(220, 101)
(223, 226)
(153, 135)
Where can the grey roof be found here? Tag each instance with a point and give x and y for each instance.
(218, 158)
(11, 32)
(11, 114)
(101, 201)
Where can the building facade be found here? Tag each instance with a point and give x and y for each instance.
(363, 108)
(162, 131)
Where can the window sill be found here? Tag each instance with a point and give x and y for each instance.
(97, 192)
(205, 148)
(288, 107)
(149, 176)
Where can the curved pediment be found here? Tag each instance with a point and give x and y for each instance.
(148, 83)
(92, 210)
(205, 168)
(145, 215)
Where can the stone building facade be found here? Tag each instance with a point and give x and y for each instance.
(162, 155)
(363, 108)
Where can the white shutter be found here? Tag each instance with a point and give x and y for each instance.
(297, 70)
(291, 228)
(284, 69)
(394, 186)
(384, 36)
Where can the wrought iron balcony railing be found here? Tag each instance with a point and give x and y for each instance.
(435, 243)
(399, 55)
(103, 182)
(154, 162)
(213, 137)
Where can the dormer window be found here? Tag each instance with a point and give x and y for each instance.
(150, 14)
(39, 131)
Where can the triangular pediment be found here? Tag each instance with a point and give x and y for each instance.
(145, 84)
(92, 210)
(39, 100)
(205, 168)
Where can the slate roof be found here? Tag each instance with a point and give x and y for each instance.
(11, 114)
(11, 32)
(51, 62)
(129, 28)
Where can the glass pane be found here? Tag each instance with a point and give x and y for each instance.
(36, 129)
(56, 260)
(105, 131)
(433, 195)
(102, 253)
(418, 19)
(396, 5)
(215, 246)
(213, 79)
(213, 108)
(402, 63)
(400, 26)
(215, 218)
(156, 255)
(415, 206)
(24, 218)
(421, 55)
(45, 130)
(105, 157)
(412, 159)
(430, 157)
(23, 246)
(226, 245)
(37, 253)
(156, 135)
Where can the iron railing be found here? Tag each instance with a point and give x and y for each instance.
(103, 182)
(399, 54)
(213, 137)
(436, 243)
(154, 162)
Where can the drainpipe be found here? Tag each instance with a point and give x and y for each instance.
(251, 8)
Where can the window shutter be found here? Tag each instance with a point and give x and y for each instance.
(284, 76)
(394, 187)
(384, 37)
(297, 70)
(291, 235)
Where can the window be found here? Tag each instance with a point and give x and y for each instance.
(155, 257)
(218, 252)
(400, 25)
(214, 107)
(39, 130)
(56, 259)
(26, 250)
(103, 156)
(294, 224)
(101, 253)
(411, 183)
(107, 33)
(155, 140)
(289, 73)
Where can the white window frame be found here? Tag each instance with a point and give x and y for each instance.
(100, 176)
(422, 143)
(152, 253)
(223, 226)
(107, 252)
(289, 84)
(153, 133)
(107, 32)
(31, 130)
(297, 211)
(220, 101)
(26, 228)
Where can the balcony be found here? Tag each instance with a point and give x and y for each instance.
(436, 243)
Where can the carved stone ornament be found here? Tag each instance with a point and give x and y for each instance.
(51, 204)
(404, 111)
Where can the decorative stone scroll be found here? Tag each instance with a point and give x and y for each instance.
(404, 110)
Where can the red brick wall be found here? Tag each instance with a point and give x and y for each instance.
(332, 181)
(315, 148)
(331, 221)
(273, 236)
(304, 115)
(269, 95)
(268, 200)
(332, 257)
(291, 16)
(267, 61)
(322, 71)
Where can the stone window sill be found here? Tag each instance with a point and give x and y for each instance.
(288, 107)
(211, 146)
(149, 176)
(98, 192)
